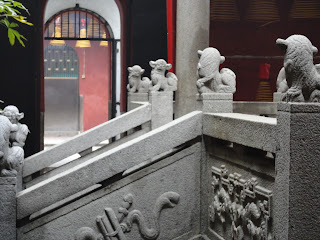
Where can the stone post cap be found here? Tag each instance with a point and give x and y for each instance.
(162, 93)
(215, 96)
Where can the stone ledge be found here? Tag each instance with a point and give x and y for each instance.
(137, 94)
(162, 93)
(8, 181)
(299, 107)
(215, 96)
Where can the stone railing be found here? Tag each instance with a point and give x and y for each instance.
(226, 175)
(240, 151)
(246, 162)
(84, 142)
(107, 165)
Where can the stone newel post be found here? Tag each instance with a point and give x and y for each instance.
(297, 187)
(215, 102)
(158, 90)
(162, 108)
(8, 208)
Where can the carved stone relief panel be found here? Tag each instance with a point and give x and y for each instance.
(113, 226)
(241, 206)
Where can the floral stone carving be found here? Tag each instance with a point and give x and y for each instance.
(160, 81)
(116, 226)
(301, 75)
(210, 79)
(136, 84)
(12, 139)
(243, 202)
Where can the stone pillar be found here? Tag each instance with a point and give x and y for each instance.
(162, 108)
(136, 97)
(297, 183)
(215, 102)
(8, 208)
(193, 19)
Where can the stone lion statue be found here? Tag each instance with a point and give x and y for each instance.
(19, 137)
(12, 139)
(210, 79)
(161, 81)
(6, 129)
(136, 84)
(299, 73)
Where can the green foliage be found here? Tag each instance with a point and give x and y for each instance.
(10, 10)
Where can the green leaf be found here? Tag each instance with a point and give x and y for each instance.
(11, 36)
(11, 9)
(22, 19)
(19, 36)
(5, 22)
(12, 25)
(20, 5)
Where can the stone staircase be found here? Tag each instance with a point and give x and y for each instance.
(205, 175)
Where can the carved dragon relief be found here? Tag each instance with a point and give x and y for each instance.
(115, 227)
(244, 202)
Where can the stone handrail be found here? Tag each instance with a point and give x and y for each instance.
(256, 108)
(87, 139)
(108, 164)
(248, 130)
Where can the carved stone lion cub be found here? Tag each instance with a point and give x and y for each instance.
(210, 79)
(161, 81)
(301, 75)
(136, 84)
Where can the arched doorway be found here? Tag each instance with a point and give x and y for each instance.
(61, 74)
(89, 37)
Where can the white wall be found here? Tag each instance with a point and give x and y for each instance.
(107, 9)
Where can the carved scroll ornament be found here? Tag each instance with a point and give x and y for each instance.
(243, 202)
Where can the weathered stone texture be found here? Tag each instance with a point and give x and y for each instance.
(179, 173)
(215, 102)
(250, 163)
(297, 205)
(8, 208)
(162, 108)
(135, 99)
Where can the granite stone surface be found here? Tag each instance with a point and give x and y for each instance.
(178, 174)
(193, 18)
(8, 208)
(296, 200)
